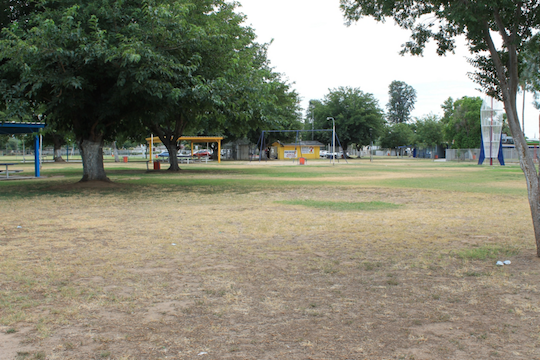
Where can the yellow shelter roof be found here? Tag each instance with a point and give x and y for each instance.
(194, 139)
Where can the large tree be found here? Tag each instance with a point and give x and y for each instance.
(395, 135)
(81, 61)
(256, 99)
(401, 102)
(109, 67)
(497, 60)
(357, 115)
(228, 80)
(461, 122)
(429, 132)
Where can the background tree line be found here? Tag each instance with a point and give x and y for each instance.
(359, 120)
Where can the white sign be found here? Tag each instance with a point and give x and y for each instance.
(289, 154)
(308, 150)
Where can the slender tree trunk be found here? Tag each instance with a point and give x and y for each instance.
(526, 163)
(509, 85)
(92, 157)
(115, 152)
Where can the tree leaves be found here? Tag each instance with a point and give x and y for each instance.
(357, 115)
(401, 103)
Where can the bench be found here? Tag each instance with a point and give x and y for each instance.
(7, 172)
(11, 171)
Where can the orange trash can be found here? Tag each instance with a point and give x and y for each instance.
(125, 159)
(157, 165)
(302, 161)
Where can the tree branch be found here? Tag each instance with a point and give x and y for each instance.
(509, 41)
(499, 67)
(502, 30)
(517, 15)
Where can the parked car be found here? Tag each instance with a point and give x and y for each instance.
(330, 155)
(180, 154)
(184, 154)
(339, 155)
(323, 153)
(201, 153)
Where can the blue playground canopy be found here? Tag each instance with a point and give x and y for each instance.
(10, 128)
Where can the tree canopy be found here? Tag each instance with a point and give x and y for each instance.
(401, 103)
(461, 122)
(107, 67)
(357, 115)
(395, 135)
(429, 131)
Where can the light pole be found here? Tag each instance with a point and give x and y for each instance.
(370, 146)
(333, 140)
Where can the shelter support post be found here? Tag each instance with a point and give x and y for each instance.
(152, 147)
(37, 164)
(219, 151)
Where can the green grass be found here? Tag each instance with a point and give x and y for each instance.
(409, 174)
(487, 252)
(343, 205)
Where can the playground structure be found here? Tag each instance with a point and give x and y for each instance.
(192, 139)
(290, 151)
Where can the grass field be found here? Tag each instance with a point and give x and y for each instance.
(393, 259)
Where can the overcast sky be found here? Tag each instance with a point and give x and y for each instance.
(314, 49)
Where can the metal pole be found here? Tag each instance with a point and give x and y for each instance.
(333, 140)
(152, 148)
(40, 150)
(36, 156)
(491, 136)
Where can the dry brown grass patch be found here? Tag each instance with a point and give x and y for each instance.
(248, 277)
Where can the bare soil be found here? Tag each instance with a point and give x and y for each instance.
(166, 273)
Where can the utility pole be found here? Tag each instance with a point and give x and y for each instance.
(333, 140)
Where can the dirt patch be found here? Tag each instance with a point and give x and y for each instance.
(250, 278)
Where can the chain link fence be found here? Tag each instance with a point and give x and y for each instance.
(510, 154)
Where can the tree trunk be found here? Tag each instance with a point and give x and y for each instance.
(526, 163)
(344, 147)
(509, 86)
(115, 152)
(92, 157)
(58, 155)
(173, 156)
(57, 143)
(214, 148)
